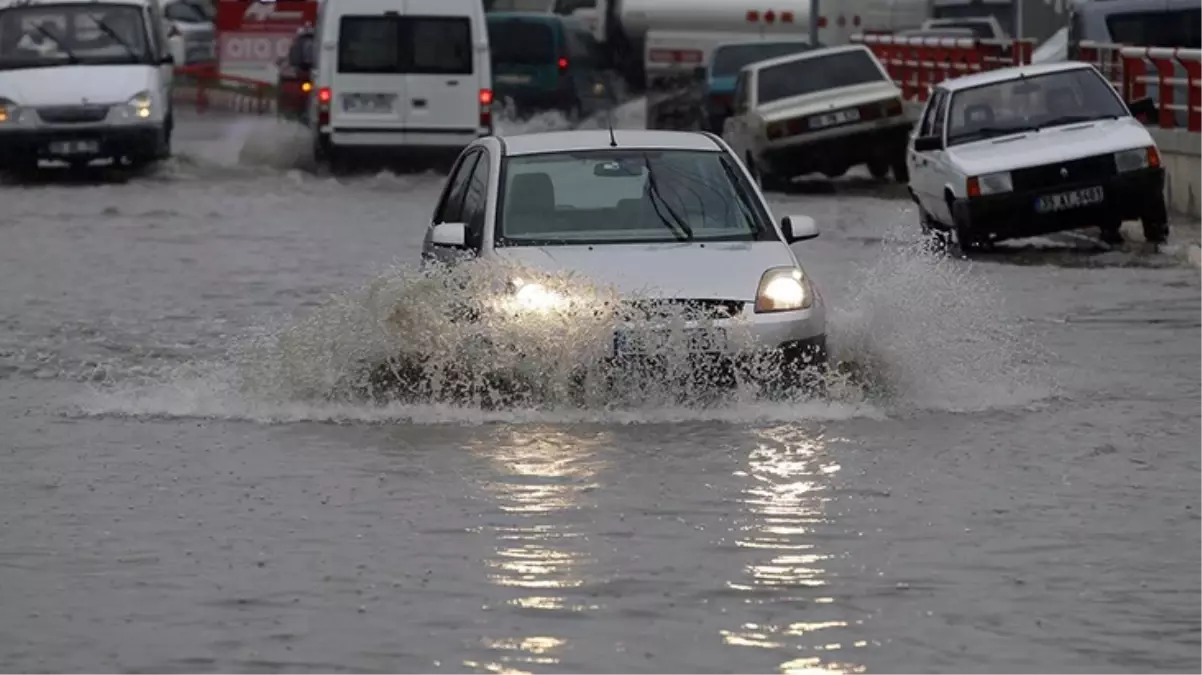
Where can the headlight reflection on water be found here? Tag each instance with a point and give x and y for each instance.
(785, 501)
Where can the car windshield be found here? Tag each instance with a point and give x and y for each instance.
(627, 196)
(817, 73)
(35, 36)
(517, 42)
(182, 11)
(731, 59)
(1031, 103)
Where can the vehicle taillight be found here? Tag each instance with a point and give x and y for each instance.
(324, 96)
(306, 87)
(563, 64)
(486, 109)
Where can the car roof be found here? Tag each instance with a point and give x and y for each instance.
(806, 55)
(1005, 74)
(598, 139)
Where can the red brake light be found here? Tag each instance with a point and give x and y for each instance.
(563, 63)
(486, 98)
(324, 95)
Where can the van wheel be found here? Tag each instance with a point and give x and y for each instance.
(901, 172)
(165, 141)
(879, 168)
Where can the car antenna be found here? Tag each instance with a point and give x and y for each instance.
(613, 142)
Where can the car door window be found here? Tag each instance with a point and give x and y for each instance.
(475, 202)
(450, 207)
(928, 116)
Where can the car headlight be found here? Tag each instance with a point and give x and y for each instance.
(1136, 159)
(8, 111)
(783, 289)
(990, 184)
(536, 297)
(140, 104)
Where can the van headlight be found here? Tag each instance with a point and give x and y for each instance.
(783, 289)
(535, 297)
(9, 112)
(1136, 159)
(139, 106)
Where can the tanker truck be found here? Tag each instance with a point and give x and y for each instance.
(621, 27)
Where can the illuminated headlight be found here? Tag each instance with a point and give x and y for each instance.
(535, 297)
(1134, 160)
(783, 289)
(9, 112)
(139, 106)
(990, 184)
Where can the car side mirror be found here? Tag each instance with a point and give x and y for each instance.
(798, 228)
(1143, 109)
(168, 60)
(450, 235)
(928, 143)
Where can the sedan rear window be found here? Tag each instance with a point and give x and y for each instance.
(527, 43)
(433, 45)
(818, 73)
(627, 196)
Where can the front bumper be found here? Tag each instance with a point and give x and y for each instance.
(835, 150)
(22, 146)
(1131, 195)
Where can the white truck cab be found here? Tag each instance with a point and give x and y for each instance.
(409, 77)
(84, 81)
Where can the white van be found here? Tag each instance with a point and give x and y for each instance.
(402, 77)
(84, 81)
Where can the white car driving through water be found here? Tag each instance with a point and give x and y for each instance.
(1032, 150)
(671, 221)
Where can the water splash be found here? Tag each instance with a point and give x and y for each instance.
(924, 331)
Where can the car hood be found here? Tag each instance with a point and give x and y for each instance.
(710, 271)
(1057, 144)
(830, 99)
(66, 85)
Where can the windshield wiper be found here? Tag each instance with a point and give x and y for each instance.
(71, 57)
(108, 30)
(1076, 119)
(678, 226)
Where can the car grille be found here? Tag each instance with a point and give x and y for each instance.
(73, 113)
(1072, 172)
(688, 310)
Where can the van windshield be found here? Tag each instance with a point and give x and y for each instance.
(731, 59)
(432, 45)
(36, 36)
(627, 196)
(817, 73)
(527, 43)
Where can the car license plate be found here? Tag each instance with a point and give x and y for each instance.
(367, 103)
(1069, 200)
(644, 342)
(514, 79)
(835, 118)
(74, 148)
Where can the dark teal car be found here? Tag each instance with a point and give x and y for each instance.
(725, 63)
(546, 62)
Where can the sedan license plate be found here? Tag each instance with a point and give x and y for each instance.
(63, 148)
(835, 118)
(1069, 200)
(651, 342)
(514, 79)
(367, 103)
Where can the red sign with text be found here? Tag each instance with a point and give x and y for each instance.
(253, 35)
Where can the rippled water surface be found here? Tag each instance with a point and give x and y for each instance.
(1009, 483)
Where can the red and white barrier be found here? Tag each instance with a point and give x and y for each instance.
(917, 63)
(1139, 72)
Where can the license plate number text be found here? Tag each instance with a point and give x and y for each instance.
(1065, 201)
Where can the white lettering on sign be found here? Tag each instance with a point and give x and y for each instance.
(265, 11)
(255, 47)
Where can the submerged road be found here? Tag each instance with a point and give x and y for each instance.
(1018, 491)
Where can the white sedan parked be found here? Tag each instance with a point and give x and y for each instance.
(665, 218)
